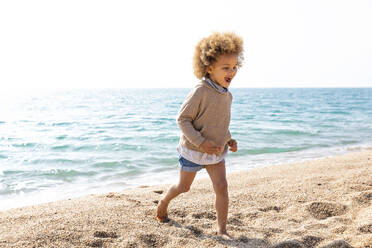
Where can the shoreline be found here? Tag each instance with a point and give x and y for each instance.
(313, 202)
(172, 176)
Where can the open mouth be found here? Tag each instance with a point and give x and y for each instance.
(228, 79)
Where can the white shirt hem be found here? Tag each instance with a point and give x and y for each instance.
(200, 158)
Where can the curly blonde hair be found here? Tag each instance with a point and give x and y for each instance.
(208, 49)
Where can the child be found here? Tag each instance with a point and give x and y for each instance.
(204, 120)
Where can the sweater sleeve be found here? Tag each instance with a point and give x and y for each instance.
(187, 114)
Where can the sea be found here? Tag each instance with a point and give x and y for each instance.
(60, 144)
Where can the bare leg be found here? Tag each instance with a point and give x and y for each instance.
(185, 181)
(217, 173)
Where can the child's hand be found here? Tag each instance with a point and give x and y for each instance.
(233, 145)
(210, 147)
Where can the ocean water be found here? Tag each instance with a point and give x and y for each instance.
(66, 143)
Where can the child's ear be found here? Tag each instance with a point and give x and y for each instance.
(209, 69)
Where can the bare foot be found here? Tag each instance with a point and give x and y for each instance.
(224, 235)
(161, 211)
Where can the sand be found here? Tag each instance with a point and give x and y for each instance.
(318, 203)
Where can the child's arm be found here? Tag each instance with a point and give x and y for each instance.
(186, 115)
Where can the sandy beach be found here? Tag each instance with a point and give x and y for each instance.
(317, 203)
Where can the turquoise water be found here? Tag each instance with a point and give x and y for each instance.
(66, 143)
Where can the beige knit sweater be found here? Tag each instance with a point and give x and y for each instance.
(205, 114)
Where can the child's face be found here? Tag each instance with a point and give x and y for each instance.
(223, 70)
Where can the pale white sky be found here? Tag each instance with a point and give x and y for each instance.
(121, 44)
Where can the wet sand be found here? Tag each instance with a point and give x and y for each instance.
(318, 203)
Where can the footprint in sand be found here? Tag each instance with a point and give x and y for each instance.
(235, 221)
(311, 241)
(337, 244)
(152, 240)
(104, 234)
(158, 192)
(307, 241)
(95, 243)
(363, 198)
(205, 215)
(178, 213)
(289, 244)
(100, 235)
(323, 210)
(149, 239)
(196, 231)
(253, 242)
(275, 208)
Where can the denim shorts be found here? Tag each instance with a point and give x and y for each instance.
(189, 166)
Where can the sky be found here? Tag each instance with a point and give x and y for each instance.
(150, 44)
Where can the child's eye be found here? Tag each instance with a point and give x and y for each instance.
(228, 69)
